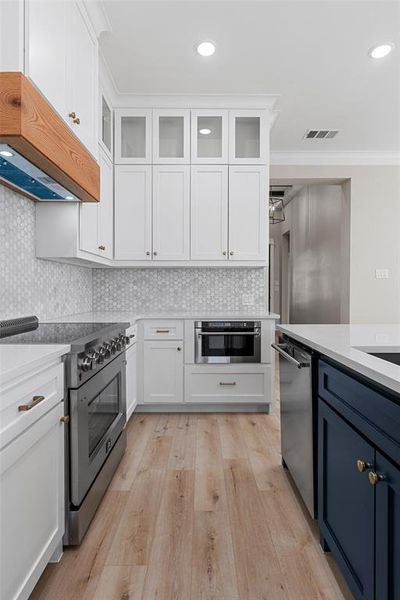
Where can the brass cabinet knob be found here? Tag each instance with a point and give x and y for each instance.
(231, 253)
(77, 121)
(148, 253)
(154, 253)
(72, 115)
(224, 252)
(179, 348)
(362, 465)
(64, 419)
(375, 478)
(102, 247)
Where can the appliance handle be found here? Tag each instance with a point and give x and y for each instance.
(280, 350)
(253, 333)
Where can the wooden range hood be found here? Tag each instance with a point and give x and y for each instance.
(31, 127)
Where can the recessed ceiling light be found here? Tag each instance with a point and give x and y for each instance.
(205, 131)
(206, 48)
(6, 153)
(380, 51)
(69, 198)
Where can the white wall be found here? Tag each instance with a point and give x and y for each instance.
(374, 233)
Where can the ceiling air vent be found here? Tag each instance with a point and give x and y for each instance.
(320, 134)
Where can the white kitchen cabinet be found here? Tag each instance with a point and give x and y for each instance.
(248, 215)
(82, 76)
(163, 372)
(171, 136)
(133, 212)
(96, 219)
(171, 212)
(131, 372)
(248, 137)
(209, 137)
(61, 60)
(133, 144)
(31, 503)
(46, 49)
(209, 212)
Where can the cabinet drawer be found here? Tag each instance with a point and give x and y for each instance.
(163, 330)
(206, 384)
(373, 412)
(47, 384)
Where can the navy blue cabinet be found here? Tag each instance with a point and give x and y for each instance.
(346, 500)
(359, 481)
(387, 554)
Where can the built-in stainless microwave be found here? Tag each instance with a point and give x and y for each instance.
(227, 342)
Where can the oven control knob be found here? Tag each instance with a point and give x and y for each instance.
(122, 340)
(86, 364)
(94, 356)
(107, 350)
(127, 339)
(113, 346)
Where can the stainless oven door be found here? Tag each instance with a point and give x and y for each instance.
(219, 347)
(97, 417)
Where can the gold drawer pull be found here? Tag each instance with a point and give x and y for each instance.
(362, 465)
(35, 400)
(64, 419)
(375, 478)
(227, 383)
(162, 330)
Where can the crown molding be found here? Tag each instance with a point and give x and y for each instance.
(260, 101)
(335, 158)
(98, 16)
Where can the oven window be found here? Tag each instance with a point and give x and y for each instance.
(102, 411)
(228, 345)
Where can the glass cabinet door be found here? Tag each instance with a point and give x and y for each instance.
(248, 137)
(106, 124)
(132, 136)
(171, 135)
(210, 137)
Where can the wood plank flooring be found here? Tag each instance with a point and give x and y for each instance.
(199, 509)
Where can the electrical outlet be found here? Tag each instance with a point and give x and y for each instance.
(247, 299)
(381, 273)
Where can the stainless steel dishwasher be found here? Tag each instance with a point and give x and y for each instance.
(298, 418)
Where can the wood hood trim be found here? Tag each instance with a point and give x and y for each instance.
(33, 128)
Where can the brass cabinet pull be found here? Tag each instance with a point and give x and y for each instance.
(224, 252)
(362, 465)
(148, 253)
(35, 400)
(227, 383)
(64, 419)
(72, 115)
(162, 330)
(179, 348)
(102, 247)
(375, 478)
(154, 253)
(231, 253)
(77, 121)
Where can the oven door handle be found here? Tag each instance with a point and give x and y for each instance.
(253, 333)
(285, 355)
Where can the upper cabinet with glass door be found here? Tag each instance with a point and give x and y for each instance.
(210, 136)
(133, 136)
(106, 126)
(171, 136)
(248, 137)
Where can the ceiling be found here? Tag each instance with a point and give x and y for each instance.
(312, 53)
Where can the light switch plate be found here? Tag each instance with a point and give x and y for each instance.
(381, 273)
(247, 299)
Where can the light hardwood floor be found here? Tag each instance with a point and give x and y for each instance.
(199, 509)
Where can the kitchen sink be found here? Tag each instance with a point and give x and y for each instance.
(392, 357)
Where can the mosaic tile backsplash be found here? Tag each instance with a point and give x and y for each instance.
(176, 290)
(29, 285)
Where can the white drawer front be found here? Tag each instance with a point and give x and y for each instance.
(220, 385)
(47, 384)
(163, 330)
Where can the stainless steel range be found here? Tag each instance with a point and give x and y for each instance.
(95, 393)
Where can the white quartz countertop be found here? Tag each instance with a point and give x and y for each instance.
(132, 317)
(350, 344)
(18, 359)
